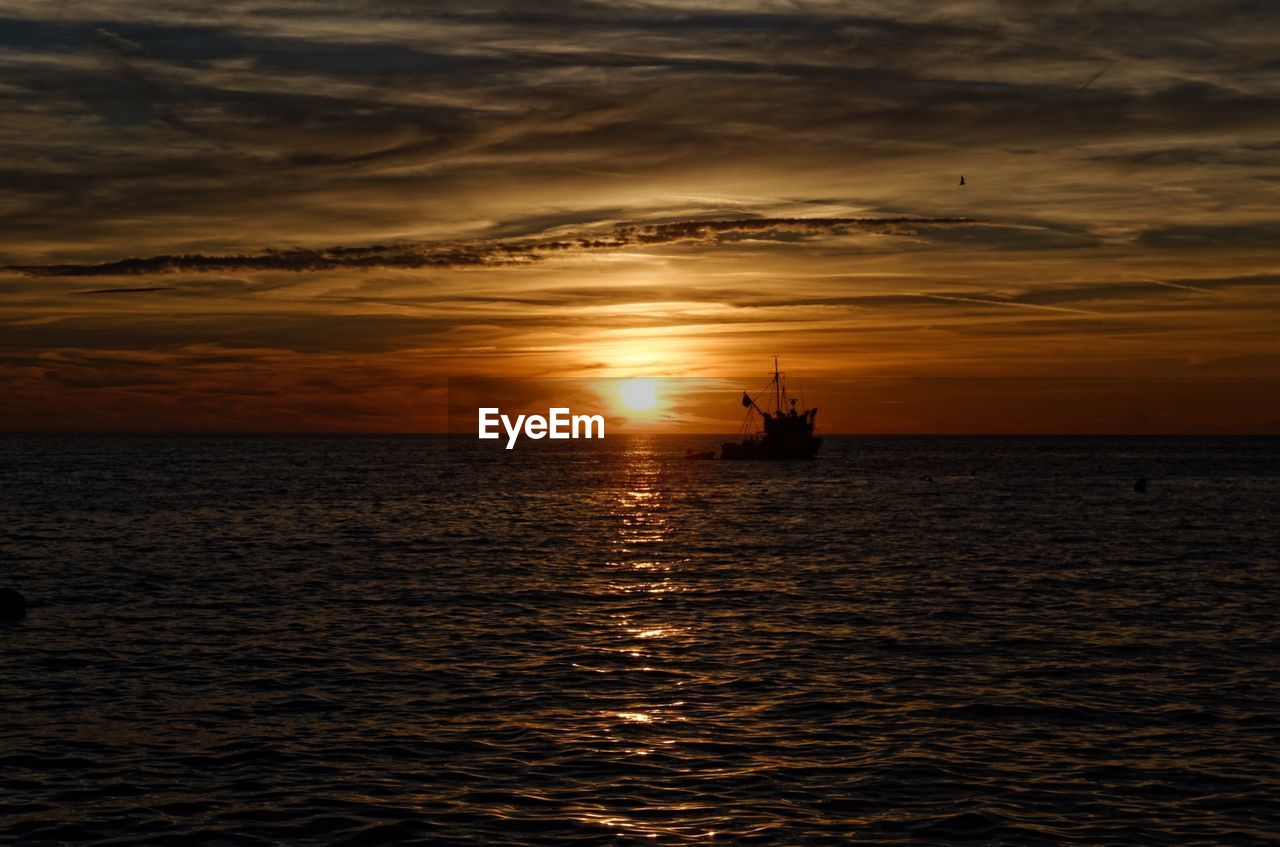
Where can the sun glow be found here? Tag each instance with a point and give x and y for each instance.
(639, 395)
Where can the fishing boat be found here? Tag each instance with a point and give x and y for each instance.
(784, 433)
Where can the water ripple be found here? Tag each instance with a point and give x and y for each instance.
(384, 640)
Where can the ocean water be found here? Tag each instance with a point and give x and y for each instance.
(364, 640)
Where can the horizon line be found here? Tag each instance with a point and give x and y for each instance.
(436, 434)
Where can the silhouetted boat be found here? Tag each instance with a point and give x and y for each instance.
(783, 434)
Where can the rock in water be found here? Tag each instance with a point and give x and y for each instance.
(13, 606)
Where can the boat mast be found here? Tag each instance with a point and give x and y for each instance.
(777, 387)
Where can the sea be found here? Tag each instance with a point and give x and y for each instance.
(258, 640)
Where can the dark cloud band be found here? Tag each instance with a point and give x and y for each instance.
(493, 253)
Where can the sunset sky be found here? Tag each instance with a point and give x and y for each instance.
(308, 216)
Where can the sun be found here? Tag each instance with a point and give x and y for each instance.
(639, 395)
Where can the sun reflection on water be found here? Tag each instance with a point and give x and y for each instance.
(635, 717)
(642, 713)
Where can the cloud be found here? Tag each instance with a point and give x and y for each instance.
(489, 253)
(139, 290)
(403, 160)
(1213, 236)
(112, 43)
(175, 130)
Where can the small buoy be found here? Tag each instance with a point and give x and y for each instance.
(1141, 486)
(13, 606)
